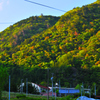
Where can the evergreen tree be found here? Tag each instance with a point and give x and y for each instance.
(3, 78)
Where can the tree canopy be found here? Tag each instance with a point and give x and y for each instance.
(3, 78)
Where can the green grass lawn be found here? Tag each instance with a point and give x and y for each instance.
(13, 96)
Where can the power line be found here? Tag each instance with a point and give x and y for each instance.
(45, 5)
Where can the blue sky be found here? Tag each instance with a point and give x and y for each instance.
(12, 11)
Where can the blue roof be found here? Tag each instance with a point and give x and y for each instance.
(69, 91)
(85, 98)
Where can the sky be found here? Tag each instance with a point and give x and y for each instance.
(12, 11)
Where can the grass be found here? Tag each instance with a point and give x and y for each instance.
(13, 96)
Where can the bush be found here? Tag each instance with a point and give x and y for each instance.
(21, 96)
(69, 97)
(43, 91)
(76, 95)
(30, 98)
(92, 96)
(4, 98)
(87, 94)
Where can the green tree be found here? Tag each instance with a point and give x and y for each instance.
(3, 78)
(67, 84)
(78, 86)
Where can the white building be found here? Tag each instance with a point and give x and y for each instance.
(39, 88)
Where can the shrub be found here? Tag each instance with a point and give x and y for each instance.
(87, 94)
(21, 96)
(69, 97)
(76, 95)
(43, 91)
(4, 98)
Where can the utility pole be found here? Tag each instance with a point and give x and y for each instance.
(95, 90)
(59, 83)
(9, 87)
(81, 89)
(89, 92)
(56, 85)
(52, 84)
(26, 86)
(21, 86)
(48, 83)
(59, 86)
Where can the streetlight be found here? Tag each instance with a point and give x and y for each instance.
(9, 87)
(81, 89)
(56, 85)
(26, 86)
(89, 92)
(52, 84)
(48, 83)
(95, 90)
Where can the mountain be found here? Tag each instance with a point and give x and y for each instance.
(71, 35)
(70, 44)
(12, 37)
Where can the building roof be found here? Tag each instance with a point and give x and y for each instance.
(85, 98)
(44, 87)
(36, 85)
(69, 90)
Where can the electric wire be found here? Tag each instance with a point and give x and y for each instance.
(37, 4)
(45, 5)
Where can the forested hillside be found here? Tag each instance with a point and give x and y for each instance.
(69, 45)
(12, 37)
